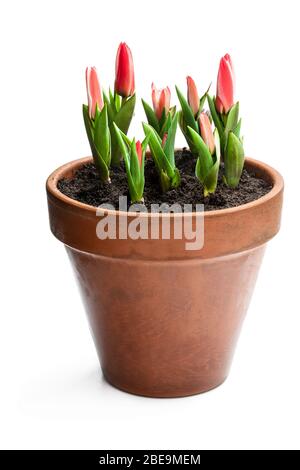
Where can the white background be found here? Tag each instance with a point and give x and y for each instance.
(52, 394)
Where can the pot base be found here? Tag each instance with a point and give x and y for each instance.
(157, 394)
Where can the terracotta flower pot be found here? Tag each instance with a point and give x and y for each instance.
(165, 320)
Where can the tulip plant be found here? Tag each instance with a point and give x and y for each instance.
(190, 111)
(121, 104)
(160, 117)
(96, 124)
(225, 114)
(162, 151)
(134, 158)
(107, 119)
(103, 111)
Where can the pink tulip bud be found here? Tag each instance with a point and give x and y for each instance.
(124, 82)
(193, 97)
(161, 100)
(93, 88)
(164, 139)
(139, 151)
(225, 85)
(206, 132)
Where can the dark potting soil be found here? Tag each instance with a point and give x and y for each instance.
(86, 187)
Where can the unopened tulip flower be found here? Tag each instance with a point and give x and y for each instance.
(94, 92)
(161, 100)
(192, 94)
(124, 81)
(225, 85)
(139, 152)
(206, 132)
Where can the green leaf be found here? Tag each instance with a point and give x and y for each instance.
(145, 143)
(185, 132)
(88, 125)
(165, 182)
(102, 135)
(211, 179)
(125, 139)
(169, 176)
(237, 129)
(151, 116)
(134, 164)
(122, 145)
(234, 160)
(110, 111)
(124, 116)
(170, 142)
(160, 159)
(166, 126)
(206, 160)
(215, 116)
(175, 181)
(112, 102)
(118, 102)
(101, 166)
(232, 118)
(187, 113)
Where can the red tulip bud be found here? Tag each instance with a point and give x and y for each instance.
(124, 82)
(225, 85)
(93, 91)
(193, 97)
(139, 151)
(206, 132)
(161, 100)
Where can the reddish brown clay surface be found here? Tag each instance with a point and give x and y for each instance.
(165, 321)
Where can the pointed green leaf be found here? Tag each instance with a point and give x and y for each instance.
(215, 116)
(185, 132)
(234, 160)
(102, 135)
(232, 118)
(124, 116)
(187, 113)
(122, 145)
(165, 182)
(118, 102)
(151, 116)
(170, 142)
(134, 163)
(101, 166)
(166, 126)
(160, 159)
(175, 181)
(211, 179)
(237, 129)
(110, 111)
(202, 151)
(88, 124)
(145, 143)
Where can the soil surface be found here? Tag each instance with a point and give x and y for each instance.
(86, 187)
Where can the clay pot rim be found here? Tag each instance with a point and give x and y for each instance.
(266, 172)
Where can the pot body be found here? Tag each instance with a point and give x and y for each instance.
(165, 321)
